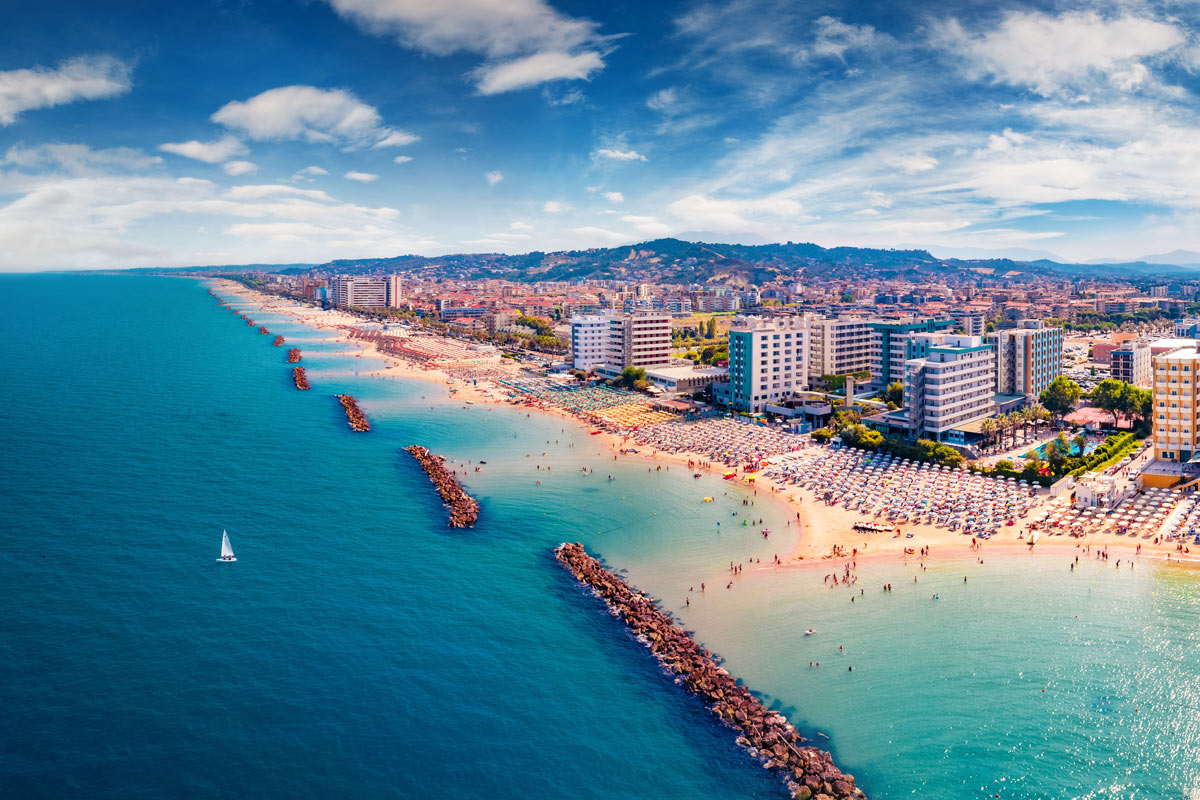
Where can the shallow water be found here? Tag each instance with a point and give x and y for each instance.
(358, 647)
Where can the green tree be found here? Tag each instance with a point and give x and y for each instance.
(706, 355)
(894, 393)
(1111, 395)
(630, 376)
(712, 327)
(822, 435)
(1061, 396)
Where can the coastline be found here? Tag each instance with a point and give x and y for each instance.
(822, 533)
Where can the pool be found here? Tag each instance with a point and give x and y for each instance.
(1040, 450)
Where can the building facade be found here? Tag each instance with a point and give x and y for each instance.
(640, 339)
(1131, 363)
(839, 345)
(1175, 400)
(951, 385)
(767, 360)
(1028, 357)
(360, 292)
(889, 346)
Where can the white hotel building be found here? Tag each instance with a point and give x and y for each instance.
(640, 339)
(768, 360)
(951, 383)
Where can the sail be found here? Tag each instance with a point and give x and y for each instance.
(226, 547)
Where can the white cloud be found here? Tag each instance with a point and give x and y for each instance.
(402, 159)
(308, 174)
(518, 225)
(835, 37)
(553, 207)
(568, 98)
(664, 99)
(538, 68)
(914, 163)
(593, 233)
(652, 226)
(1051, 53)
(209, 152)
(361, 177)
(614, 197)
(239, 167)
(111, 221)
(310, 114)
(526, 42)
(81, 78)
(619, 155)
(493, 177)
(80, 158)
(726, 215)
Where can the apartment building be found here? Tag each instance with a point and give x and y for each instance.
(1028, 357)
(640, 339)
(360, 292)
(1175, 402)
(839, 345)
(969, 323)
(395, 291)
(1131, 362)
(889, 346)
(952, 384)
(767, 360)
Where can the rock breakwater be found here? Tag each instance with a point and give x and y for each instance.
(278, 341)
(809, 771)
(301, 378)
(263, 330)
(294, 355)
(464, 509)
(358, 420)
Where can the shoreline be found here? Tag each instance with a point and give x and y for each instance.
(822, 533)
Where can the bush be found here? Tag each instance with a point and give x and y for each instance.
(822, 435)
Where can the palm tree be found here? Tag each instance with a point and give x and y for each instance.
(987, 428)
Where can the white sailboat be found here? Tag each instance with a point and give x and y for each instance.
(226, 548)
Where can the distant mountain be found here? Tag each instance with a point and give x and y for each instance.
(1021, 254)
(667, 260)
(1180, 258)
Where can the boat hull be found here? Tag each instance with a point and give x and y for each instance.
(226, 560)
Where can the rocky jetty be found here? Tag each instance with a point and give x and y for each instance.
(263, 330)
(294, 355)
(278, 341)
(809, 772)
(301, 379)
(249, 323)
(358, 420)
(464, 509)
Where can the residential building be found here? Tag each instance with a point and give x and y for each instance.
(969, 323)
(1028, 357)
(360, 292)
(1175, 402)
(1131, 363)
(640, 339)
(767, 360)
(395, 292)
(839, 345)
(889, 346)
(1187, 328)
(950, 386)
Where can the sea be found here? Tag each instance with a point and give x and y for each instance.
(360, 648)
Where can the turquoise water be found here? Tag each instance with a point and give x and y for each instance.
(1040, 450)
(359, 648)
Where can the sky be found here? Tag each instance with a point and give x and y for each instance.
(298, 131)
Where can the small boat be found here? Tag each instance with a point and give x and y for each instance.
(810, 632)
(226, 548)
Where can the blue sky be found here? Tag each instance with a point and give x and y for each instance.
(304, 130)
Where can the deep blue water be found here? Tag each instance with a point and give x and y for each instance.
(360, 648)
